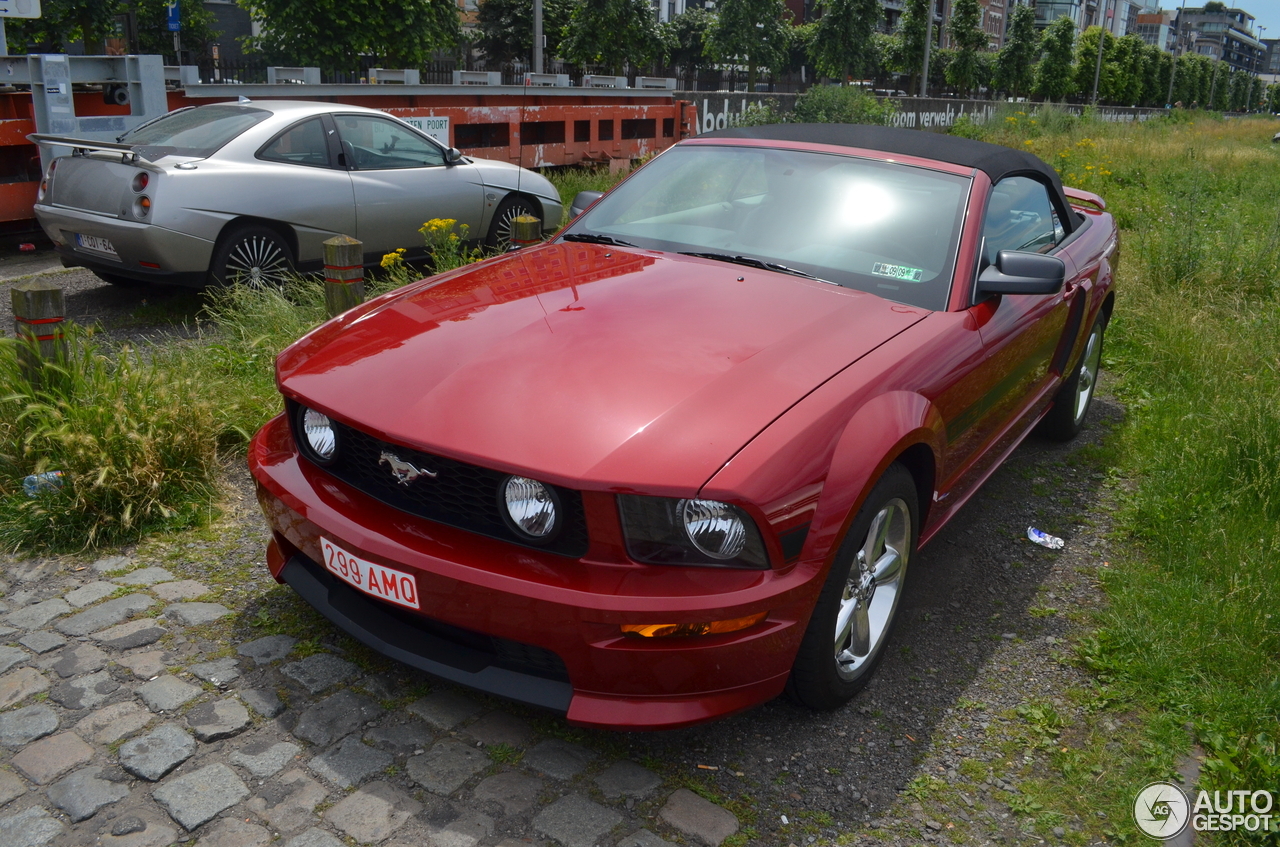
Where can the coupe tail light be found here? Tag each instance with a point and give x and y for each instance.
(142, 206)
(140, 181)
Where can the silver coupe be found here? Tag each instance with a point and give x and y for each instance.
(249, 192)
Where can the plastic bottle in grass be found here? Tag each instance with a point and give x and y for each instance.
(40, 482)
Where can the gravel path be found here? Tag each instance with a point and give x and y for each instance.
(166, 717)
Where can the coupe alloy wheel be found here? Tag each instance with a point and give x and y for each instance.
(258, 261)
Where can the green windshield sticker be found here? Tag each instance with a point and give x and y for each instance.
(898, 272)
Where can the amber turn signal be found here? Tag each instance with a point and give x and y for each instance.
(663, 630)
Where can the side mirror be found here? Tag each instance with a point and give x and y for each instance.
(1022, 273)
(453, 156)
(582, 200)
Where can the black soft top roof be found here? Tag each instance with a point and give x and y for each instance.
(995, 161)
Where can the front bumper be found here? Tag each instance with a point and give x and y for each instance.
(182, 259)
(528, 625)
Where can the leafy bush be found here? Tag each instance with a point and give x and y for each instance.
(841, 104)
(134, 438)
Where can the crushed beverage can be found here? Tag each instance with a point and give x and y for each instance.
(38, 482)
(1044, 539)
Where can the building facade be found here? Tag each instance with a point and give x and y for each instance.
(1226, 35)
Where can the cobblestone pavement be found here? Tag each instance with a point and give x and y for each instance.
(114, 738)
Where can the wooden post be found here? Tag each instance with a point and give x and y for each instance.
(38, 316)
(343, 274)
(525, 230)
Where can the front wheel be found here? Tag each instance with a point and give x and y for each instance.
(1071, 404)
(856, 611)
(254, 256)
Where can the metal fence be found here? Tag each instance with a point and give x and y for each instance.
(254, 71)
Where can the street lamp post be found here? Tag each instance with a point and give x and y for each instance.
(1102, 40)
(1177, 40)
(928, 41)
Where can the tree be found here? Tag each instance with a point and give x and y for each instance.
(506, 28)
(1087, 63)
(611, 34)
(1015, 64)
(93, 22)
(906, 55)
(152, 20)
(750, 32)
(1054, 77)
(334, 34)
(64, 22)
(684, 38)
(1129, 71)
(965, 69)
(842, 39)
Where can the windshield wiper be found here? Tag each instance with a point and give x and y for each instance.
(592, 238)
(755, 263)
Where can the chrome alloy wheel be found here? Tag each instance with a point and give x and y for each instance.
(873, 588)
(1088, 376)
(258, 261)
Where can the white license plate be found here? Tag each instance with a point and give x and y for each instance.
(96, 244)
(393, 586)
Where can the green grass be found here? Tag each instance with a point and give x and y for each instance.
(133, 435)
(1190, 638)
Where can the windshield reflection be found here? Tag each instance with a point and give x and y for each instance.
(885, 228)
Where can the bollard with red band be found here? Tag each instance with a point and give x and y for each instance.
(343, 274)
(39, 315)
(526, 230)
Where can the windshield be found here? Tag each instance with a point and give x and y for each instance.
(886, 228)
(196, 132)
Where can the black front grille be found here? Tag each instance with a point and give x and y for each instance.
(460, 495)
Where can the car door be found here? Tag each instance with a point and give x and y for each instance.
(1022, 334)
(401, 180)
(298, 182)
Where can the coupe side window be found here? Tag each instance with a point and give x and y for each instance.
(372, 144)
(1020, 217)
(302, 144)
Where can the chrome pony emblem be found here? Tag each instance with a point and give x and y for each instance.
(403, 471)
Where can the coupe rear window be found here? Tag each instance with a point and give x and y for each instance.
(196, 132)
(886, 228)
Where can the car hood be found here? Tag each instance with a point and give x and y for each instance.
(588, 366)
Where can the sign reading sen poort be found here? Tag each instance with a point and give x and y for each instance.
(1162, 810)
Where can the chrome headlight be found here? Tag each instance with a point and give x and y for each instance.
(531, 508)
(317, 435)
(666, 531)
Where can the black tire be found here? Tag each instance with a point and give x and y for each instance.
(252, 255)
(121, 281)
(1074, 399)
(828, 671)
(499, 237)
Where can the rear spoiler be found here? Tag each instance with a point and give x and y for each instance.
(129, 153)
(1076, 195)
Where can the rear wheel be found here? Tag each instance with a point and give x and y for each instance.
(252, 255)
(1072, 402)
(499, 237)
(856, 611)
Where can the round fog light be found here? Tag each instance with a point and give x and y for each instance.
(318, 430)
(715, 528)
(531, 507)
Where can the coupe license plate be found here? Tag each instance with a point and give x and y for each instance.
(96, 244)
(393, 586)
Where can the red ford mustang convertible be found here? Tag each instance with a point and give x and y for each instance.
(678, 459)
